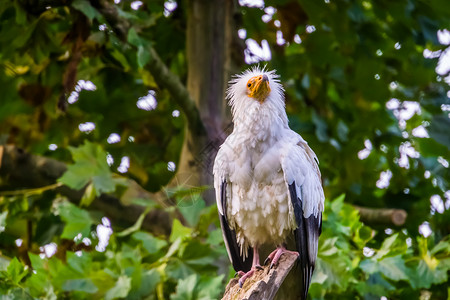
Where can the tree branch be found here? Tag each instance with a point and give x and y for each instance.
(161, 73)
(177, 90)
(159, 70)
(263, 284)
(382, 216)
(20, 169)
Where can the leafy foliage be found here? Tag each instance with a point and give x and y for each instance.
(134, 266)
(77, 89)
(353, 264)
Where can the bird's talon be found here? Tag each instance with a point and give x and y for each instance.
(271, 266)
(267, 260)
(259, 268)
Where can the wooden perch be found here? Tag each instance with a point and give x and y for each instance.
(382, 216)
(263, 284)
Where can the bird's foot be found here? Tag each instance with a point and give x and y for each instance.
(244, 276)
(274, 257)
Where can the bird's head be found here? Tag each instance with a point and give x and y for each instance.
(256, 90)
(258, 87)
(255, 84)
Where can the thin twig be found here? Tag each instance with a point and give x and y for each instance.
(34, 191)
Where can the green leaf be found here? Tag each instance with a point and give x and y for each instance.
(429, 28)
(76, 220)
(195, 252)
(3, 217)
(86, 8)
(422, 276)
(90, 166)
(342, 131)
(393, 268)
(179, 231)
(442, 246)
(215, 237)
(386, 247)
(21, 15)
(173, 248)
(186, 288)
(328, 248)
(177, 269)
(133, 37)
(439, 129)
(88, 196)
(81, 285)
(318, 277)
(321, 128)
(16, 271)
(193, 211)
(26, 35)
(370, 266)
(146, 285)
(209, 287)
(121, 59)
(150, 243)
(365, 233)
(143, 56)
(306, 81)
(121, 289)
(36, 261)
(4, 263)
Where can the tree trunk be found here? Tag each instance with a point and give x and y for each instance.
(210, 30)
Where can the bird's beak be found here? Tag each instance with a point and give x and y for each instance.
(261, 88)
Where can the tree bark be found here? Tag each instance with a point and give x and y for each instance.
(382, 216)
(263, 284)
(211, 38)
(210, 29)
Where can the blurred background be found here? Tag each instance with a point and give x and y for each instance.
(111, 114)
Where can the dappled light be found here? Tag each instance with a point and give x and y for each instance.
(113, 138)
(171, 166)
(124, 164)
(104, 232)
(86, 127)
(385, 178)
(169, 7)
(112, 113)
(255, 52)
(147, 102)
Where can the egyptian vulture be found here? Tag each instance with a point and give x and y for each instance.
(267, 180)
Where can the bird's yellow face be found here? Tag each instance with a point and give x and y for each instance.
(258, 87)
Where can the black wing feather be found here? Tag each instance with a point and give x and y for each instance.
(306, 239)
(229, 236)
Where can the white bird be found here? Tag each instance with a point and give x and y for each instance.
(267, 180)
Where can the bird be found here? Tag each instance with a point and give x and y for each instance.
(267, 180)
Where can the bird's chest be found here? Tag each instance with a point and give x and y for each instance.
(260, 209)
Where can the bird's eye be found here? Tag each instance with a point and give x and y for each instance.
(249, 85)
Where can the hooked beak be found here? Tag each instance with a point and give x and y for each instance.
(261, 88)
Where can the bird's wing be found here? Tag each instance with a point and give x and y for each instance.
(222, 185)
(302, 177)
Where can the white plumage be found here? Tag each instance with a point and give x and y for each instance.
(258, 163)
